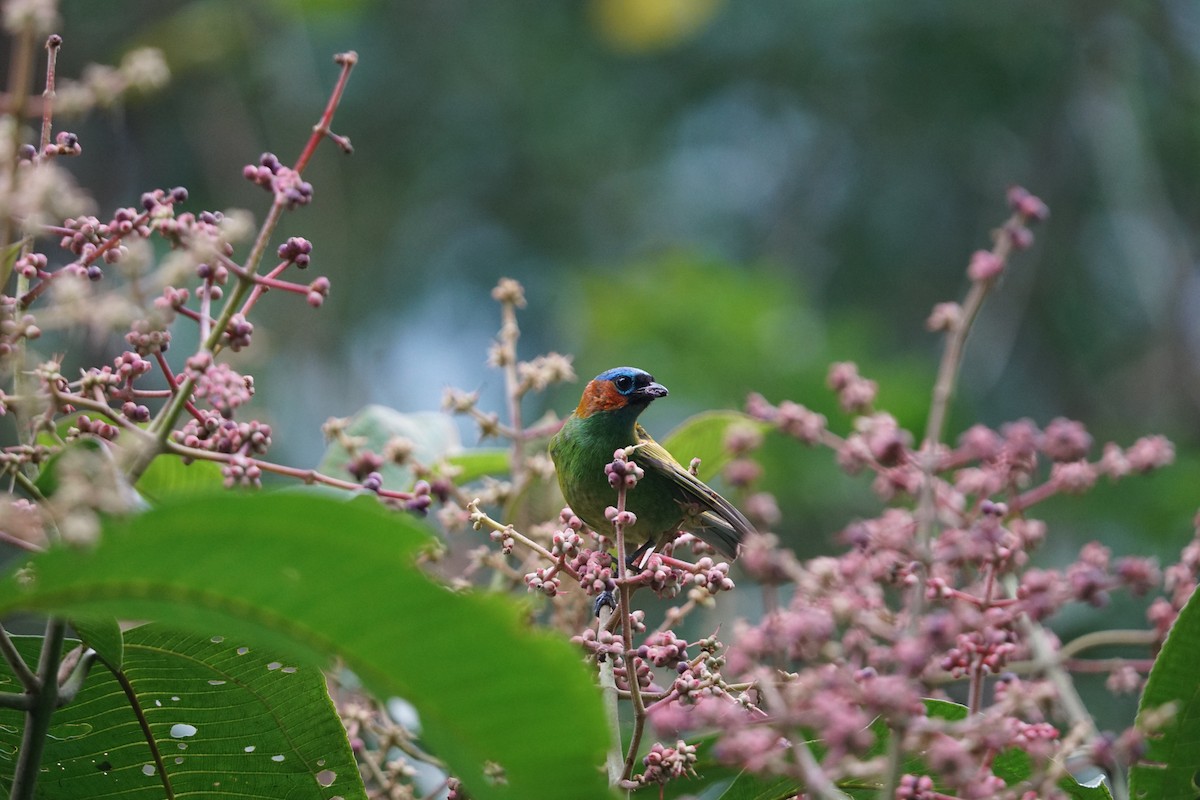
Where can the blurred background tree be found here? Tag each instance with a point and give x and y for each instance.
(730, 195)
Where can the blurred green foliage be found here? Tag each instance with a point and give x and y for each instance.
(730, 195)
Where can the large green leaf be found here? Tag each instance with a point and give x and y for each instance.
(319, 577)
(102, 634)
(168, 477)
(1172, 761)
(227, 719)
(480, 461)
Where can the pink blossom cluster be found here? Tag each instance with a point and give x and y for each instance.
(936, 591)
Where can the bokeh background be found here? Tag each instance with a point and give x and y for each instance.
(728, 194)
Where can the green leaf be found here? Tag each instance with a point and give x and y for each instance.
(433, 435)
(103, 635)
(1079, 791)
(169, 477)
(748, 786)
(480, 462)
(228, 719)
(320, 577)
(944, 709)
(1172, 760)
(703, 437)
(8, 258)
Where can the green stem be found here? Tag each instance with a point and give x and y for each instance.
(19, 667)
(17, 702)
(37, 718)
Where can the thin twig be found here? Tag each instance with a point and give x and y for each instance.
(53, 43)
(15, 660)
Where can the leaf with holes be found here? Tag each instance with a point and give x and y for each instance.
(316, 577)
(225, 719)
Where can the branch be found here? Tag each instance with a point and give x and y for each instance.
(37, 718)
(163, 424)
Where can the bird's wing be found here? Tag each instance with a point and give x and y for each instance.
(722, 525)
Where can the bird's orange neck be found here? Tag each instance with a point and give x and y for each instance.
(599, 396)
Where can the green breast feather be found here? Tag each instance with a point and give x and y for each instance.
(667, 499)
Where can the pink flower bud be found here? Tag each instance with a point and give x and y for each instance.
(985, 266)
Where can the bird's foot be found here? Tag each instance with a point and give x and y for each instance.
(603, 599)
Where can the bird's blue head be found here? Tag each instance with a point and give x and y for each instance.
(621, 387)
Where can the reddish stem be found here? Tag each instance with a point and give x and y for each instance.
(113, 241)
(170, 376)
(53, 43)
(322, 129)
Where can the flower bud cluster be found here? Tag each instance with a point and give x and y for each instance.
(664, 580)
(856, 394)
(223, 388)
(596, 570)
(665, 763)
(711, 577)
(284, 182)
(603, 644)
(622, 472)
(791, 418)
(544, 580)
(213, 432)
(664, 649)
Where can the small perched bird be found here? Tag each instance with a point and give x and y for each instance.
(667, 499)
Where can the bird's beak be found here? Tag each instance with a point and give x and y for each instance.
(651, 391)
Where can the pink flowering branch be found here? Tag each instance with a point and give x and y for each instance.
(284, 197)
(969, 607)
(984, 270)
(116, 235)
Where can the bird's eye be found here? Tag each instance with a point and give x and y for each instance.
(623, 383)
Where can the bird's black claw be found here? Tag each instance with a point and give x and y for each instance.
(603, 599)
